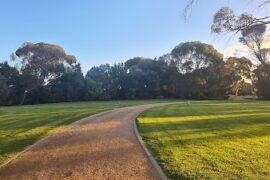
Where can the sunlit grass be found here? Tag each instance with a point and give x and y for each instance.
(210, 140)
(21, 126)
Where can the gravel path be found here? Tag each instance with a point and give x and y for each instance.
(102, 146)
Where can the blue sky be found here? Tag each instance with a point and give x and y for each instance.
(102, 31)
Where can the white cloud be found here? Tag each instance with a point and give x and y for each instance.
(239, 50)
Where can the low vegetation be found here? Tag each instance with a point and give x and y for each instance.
(210, 140)
(21, 126)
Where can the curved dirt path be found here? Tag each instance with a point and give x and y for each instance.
(102, 146)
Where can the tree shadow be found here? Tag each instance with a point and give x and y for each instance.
(211, 128)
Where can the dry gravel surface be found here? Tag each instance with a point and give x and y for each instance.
(102, 146)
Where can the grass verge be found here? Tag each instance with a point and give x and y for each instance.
(210, 140)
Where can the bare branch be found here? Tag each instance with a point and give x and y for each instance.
(188, 8)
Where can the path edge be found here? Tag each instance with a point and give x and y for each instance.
(5, 163)
(148, 153)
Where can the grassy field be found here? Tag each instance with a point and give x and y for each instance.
(210, 140)
(21, 126)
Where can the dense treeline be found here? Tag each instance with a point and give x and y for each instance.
(45, 73)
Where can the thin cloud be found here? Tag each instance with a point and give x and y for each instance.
(239, 50)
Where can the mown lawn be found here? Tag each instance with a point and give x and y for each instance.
(21, 126)
(210, 140)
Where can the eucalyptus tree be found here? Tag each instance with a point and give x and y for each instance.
(252, 31)
(190, 56)
(45, 61)
(142, 78)
(10, 84)
(253, 37)
(40, 64)
(68, 87)
(98, 82)
(225, 20)
(4, 91)
(238, 72)
(202, 65)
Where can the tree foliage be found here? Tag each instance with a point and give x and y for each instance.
(226, 21)
(252, 32)
(195, 55)
(4, 92)
(192, 70)
(253, 35)
(262, 81)
(238, 71)
(45, 61)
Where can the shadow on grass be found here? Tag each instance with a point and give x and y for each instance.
(213, 128)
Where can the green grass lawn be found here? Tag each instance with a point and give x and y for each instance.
(21, 126)
(210, 140)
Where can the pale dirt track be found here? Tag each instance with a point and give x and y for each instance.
(103, 146)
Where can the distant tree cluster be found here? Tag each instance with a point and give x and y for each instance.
(253, 34)
(192, 70)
